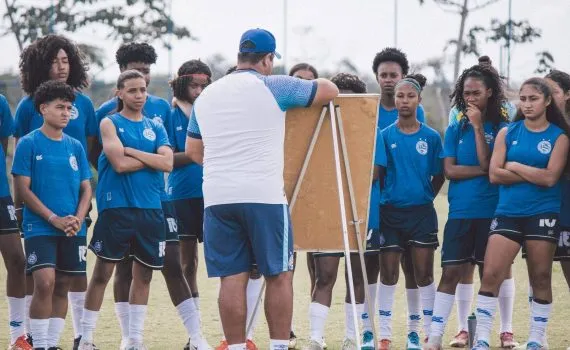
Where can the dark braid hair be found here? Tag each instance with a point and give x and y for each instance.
(391, 54)
(304, 66)
(563, 80)
(180, 84)
(36, 61)
(346, 81)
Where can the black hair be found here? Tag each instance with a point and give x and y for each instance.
(135, 52)
(485, 60)
(346, 81)
(36, 61)
(496, 113)
(304, 66)
(251, 57)
(52, 90)
(231, 70)
(391, 54)
(124, 76)
(563, 80)
(180, 84)
(416, 78)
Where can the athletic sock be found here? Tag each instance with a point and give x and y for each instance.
(56, 326)
(540, 315)
(88, 324)
(414, 310)
(427, 294)
(349, 330)
(77, 302)
(252, 294)
(39, 330)
(187, 311)
(385, 301)
(237, 347)
(464, 302)
(122, 312)
(279, 344)
(16, 312)
(28, 299)
(137, 314)
(365, 316)
(506, 304)
(317, 318)
(441, 311)
(486, 307)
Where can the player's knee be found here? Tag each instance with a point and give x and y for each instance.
(172, 270)
(44, 286)
(143, 276)
(325, 281)
(450, 276)
(541, 280)
(15, 262)
(491, 278)
(190, 266)
(61, 286)
(123, 272)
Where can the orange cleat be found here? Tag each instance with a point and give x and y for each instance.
(250, 345)
(384, 344)
(508, 340)
(460, 340)
(223, 345)
(21, 344)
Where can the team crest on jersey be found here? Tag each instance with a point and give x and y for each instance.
(98, 246)
(74, 113)
(422, 147)
(494, 224)
(33, 258)
(544, 147)
(73, 163)
(149, 134)
(488, 138)
(157, 119)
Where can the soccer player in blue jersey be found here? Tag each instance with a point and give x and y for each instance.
(529, 158)
(237, 130)
(472, 202)
(55, 57)
(411, 180)
(51, 173)
(135, 151)
(10, 243)
(389, 66)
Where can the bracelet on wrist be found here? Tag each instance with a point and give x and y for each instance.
(51, 217)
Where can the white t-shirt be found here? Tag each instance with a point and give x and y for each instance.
(241, 121)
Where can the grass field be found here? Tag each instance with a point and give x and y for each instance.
(164, 330)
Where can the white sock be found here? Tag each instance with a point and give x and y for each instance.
(16, 314)
(486, 307)
(507, 304)
(292, 323)
(77, 302)
(197, 302)
(464, 301)
(122, 312)
(441, 310)
(540, 314)
(365, 316)
(427, 295)
(252, 294)
(237, 347)
(385, 301)
(317, 317)
(88, 324)
(137, 314)
(187, 311)
(39, 331)
(28, 299)
(350, 331)
(414, 310)
(56, 326)
(279, 344)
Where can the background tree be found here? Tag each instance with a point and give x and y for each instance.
(545, 62)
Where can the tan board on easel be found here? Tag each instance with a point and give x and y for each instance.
(316, 215)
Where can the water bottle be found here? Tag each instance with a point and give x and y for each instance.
(471, 328)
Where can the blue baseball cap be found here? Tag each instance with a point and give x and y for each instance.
(258, 41)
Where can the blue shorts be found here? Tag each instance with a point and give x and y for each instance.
(465, 240)
(190, 213)
(413, 226)
(236, 235)
(372, 241)
(8, 220)
(543, 227)
(563, 250)
(67, 255)
(119, 232)
(170, 222)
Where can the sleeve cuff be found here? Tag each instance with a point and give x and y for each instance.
(194, 135)
(313, 93)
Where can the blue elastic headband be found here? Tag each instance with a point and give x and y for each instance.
(412, 82)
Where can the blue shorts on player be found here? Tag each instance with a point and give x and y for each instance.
(236, 235)
(119, 232)
(190, 214)
(465, 240)
(67, 255)
(170, 222)
(414, 226)
(542, 227)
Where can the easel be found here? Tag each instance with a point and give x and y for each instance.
(339, 144)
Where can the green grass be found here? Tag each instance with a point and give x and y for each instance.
(164, 330)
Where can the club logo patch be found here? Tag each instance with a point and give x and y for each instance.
(98, 246)
(488, 138)
(422, 147)
(33, 258)
(74, 113)
(157, 119)
(544, 147)
(149, 134)
(73, 163)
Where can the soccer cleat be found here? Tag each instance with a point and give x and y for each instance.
(367, 341)
(77, 341)
(460, 340)
(434, 344)
(21, 344)
(29, 339)
(384, 344)
(348, 344)
(186, 347)
(481, 345)
(55, 348)
(223, 345)
(413, 341)
(136, 346)
(533, 346)
(314, 345)
(250, 345)
(87, 346)
(508, 340)
(325, 346)
(292, 340)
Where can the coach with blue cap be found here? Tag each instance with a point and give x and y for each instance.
(237, 131)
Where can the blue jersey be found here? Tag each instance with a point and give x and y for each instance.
(565, 206)
(56, 170)
(82, 122)
(137, 189)
(154, 108)
(412, 161)
(379, 160)
(388, 117)
(475, 197)
(532, 149)
(186, 181)
(509, 111)
(6, 130)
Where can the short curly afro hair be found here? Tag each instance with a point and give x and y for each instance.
(135, 52)
(52, 90)
(36, 61)
(391, 54)
(346, 81)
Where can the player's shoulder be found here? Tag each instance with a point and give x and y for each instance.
(82, 98)
(158, 101)
(430, 132)
(26, 102)
(108, 106)
(3, 100)
(29, 138)
(72, 141)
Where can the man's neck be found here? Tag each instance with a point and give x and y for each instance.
(248, 66)
(51, 133)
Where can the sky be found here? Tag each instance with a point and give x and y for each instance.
(322, 32)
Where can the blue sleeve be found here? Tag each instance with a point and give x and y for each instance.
(161, 136)
(453, 116)
(91, 125)
(421, 114)
(84, 167)
(193, 128)
(437, 161)
(380, 158)
(23, 157)
(291, 92)
(450, 141)
(170, 128)
(24, 113)
(7, 121)
(104, 110)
